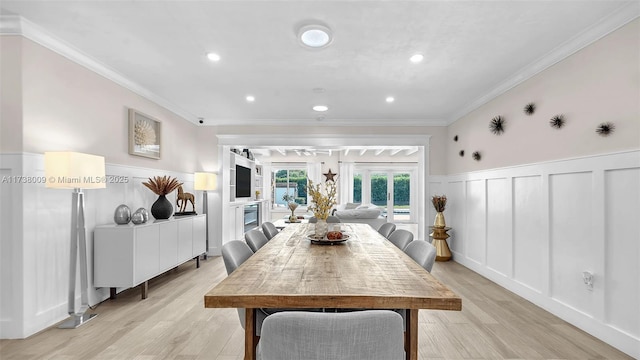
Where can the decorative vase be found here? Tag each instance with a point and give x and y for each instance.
(293, 206)
(439, 222)
(321, 229)
(162, 208)
(122, 215)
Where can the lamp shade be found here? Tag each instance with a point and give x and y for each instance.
(69, 170)
(204, 181)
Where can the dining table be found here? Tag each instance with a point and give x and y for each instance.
(363, 270)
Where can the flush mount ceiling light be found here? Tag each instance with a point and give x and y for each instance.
(213, 57)
(315, 36)
(390, 99)
(416, 58)
(250, 98)
(320, 108)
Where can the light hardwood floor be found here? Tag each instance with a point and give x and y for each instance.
(172, 323)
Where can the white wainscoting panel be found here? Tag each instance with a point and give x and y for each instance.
(529, 238)
(476, 207)
(534, 229)
(499, 230)
(454, 216)
(572, 239)
(622, 252)
(8, 308)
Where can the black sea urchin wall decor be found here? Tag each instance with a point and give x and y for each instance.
(476, 156)
(605, 129)
(455, 138)
(497, 125)
(461, 153)
(530, 108)
(557, 121)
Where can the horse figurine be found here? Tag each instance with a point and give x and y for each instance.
(183, 197)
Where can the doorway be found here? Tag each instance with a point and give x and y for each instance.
(391, 189)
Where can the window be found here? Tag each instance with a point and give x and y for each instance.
(357, 188)
(289, 184)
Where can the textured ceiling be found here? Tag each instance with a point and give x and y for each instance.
(473, 51)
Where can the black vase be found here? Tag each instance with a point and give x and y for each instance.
(162, 208)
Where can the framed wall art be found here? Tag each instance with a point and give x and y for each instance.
(144, 135)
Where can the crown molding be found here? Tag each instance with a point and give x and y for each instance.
(325, 122)
(10, 25)
(614, 21)
(16, 25)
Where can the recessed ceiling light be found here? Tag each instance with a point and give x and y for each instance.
(315, 36)
(416, 58)
(390, 99)
(213, 57)
(250, 98)
(320, 108)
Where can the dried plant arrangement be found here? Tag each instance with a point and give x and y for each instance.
(162, 185)
(323, 198)
(605, 129)
(439, 202)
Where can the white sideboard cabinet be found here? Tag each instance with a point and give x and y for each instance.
(125, 256)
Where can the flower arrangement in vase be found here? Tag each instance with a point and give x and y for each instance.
(161, 186)
(323, 198)
(439, 203)
(292, 205)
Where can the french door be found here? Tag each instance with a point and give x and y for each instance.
(390, 189)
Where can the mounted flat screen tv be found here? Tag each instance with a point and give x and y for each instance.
(243, 182)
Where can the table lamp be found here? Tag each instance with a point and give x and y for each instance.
(205, 181)
(77, 171)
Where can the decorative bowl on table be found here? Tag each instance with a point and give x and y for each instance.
(332, 237)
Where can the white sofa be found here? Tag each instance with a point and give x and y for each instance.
(360, 213)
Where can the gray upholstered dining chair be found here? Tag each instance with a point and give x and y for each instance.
(425, 255)
(386, 229)
(269, 229)
(422, 252)
(330, 219)
(401, 238)
(368, 334)
(255, 239)
(234, 254)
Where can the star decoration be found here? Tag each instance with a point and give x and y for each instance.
(329, 175)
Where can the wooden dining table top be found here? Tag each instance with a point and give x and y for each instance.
(366, 271)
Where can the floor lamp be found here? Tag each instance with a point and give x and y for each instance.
(205, 181)
(77, 171)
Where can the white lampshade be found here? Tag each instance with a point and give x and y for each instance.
(69, 170)
(204, 181)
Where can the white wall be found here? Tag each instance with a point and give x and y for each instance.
(64, 106)
(534, 229)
